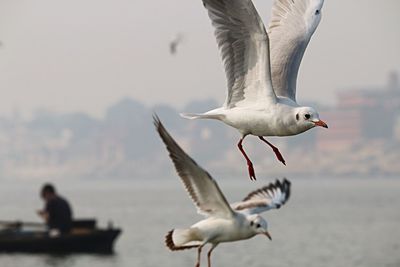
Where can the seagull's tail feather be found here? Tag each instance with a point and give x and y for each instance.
(191, 116)
(181, 239)
(207, 115)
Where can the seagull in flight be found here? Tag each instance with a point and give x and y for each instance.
(173, 45)
(261, 68)
(223, 222)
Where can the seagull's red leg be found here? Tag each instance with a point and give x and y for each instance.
(275, 149)
(198, 256)
(249, 163)
(209, 255)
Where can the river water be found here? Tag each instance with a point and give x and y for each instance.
(327, 222)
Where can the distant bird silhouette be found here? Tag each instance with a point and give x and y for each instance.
(173, 45)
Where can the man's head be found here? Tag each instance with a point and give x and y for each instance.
(48, 191)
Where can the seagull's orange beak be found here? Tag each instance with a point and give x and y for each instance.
(321, 123)
(267, 235)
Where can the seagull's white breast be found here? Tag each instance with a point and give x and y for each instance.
(275, 120)
(218, 230)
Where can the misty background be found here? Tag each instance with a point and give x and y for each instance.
(80, 81)
(75, 55)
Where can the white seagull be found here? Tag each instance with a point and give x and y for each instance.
(261, 68)
(224, 222)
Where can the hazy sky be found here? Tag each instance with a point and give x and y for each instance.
(83, 55)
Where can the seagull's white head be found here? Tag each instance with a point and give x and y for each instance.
(258, 225)
(307, 118)
(313, 15)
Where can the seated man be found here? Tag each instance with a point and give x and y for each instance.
(57, 212)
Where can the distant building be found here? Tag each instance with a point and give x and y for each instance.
(360, 115)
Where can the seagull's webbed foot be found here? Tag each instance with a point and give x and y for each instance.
(252, 173)
(279, 155)
(275, 149)
(250, 167)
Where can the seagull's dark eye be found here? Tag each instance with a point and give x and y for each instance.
(258, 225)
(317, 12)
(297, 116)
(251, 223)
(307, 116)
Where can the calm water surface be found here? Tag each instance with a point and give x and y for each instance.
(327, 222)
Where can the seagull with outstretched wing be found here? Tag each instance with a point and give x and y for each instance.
(261, 68)
(223, 222)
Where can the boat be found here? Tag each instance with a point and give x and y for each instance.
(84, 237)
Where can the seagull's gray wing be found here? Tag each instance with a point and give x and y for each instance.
(202, 188)
(292, 24)
(272, 196)
(244, 46)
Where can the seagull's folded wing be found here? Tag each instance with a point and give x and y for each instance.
(292, 24)
(243, 42)
(202, 188)
(272, 196)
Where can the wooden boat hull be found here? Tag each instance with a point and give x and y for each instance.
(95, 241)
